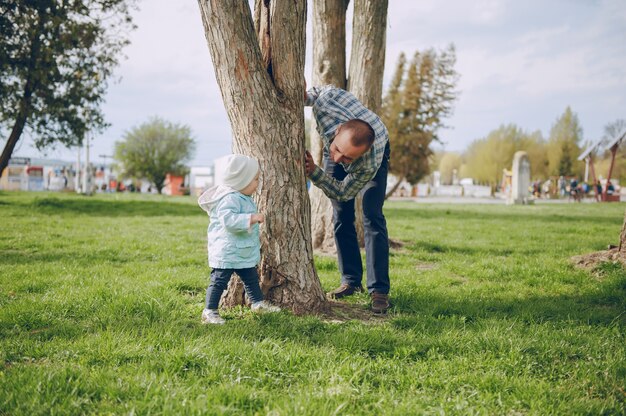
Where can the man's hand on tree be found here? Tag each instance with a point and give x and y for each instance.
(309, 165)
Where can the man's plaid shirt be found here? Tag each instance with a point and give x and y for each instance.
(331, 107)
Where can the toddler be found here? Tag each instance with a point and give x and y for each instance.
(233, 235)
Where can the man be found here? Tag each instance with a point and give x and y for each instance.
(356, 159)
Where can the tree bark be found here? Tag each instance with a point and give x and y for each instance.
(622, 238)
(329, 67)
(367, 59)
(394, 187)
(367, 64)
(14, 137)
(263, 100)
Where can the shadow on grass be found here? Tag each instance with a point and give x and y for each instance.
(470, 250)
(88, 259)
(108, 208)
(102, 256)
(410, 213)
(423, 326)
(603, 305)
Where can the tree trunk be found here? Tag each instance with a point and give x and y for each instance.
(622, 238)
(367, 64)
(394, 187)
(329, 67)
(263, 100)
(14, 137)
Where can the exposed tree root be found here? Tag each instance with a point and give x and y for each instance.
(340, 312)
(592, 260)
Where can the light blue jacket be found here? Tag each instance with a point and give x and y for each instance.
(232, 242)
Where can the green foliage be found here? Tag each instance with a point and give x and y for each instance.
(563, 146)
(415, 107)
(536, 147)
(486, 158)
(449, 162)
(57, 60)
(100, 302)
(154, 149)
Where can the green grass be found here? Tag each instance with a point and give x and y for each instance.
(100, 300)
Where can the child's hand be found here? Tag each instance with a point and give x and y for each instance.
(257, 218)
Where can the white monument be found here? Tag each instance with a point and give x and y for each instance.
(521, 180)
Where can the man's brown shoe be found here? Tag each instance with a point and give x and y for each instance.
(380, 302)
(344, 290)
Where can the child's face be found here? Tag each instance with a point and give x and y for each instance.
(251, 188)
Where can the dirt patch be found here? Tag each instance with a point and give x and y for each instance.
(38, 330)
(592, 260)
(340, 312)
(322, 252)
(395, 244)
(425, 266)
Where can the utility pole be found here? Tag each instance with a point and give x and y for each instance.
(77, 176)
(87, 170)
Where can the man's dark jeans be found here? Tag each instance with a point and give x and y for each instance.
(375, 227)
(219, 283)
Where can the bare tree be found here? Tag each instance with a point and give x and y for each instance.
(259, 68)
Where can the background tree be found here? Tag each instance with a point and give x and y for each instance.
(536, 147)
(486, 158)
(155, 149)
(414, 110)
(450, 161)
(259, 67)
(563, 145)
(57, 59)
(612, 131)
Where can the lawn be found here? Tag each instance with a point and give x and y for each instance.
(100, 302)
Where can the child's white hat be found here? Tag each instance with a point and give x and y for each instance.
(240, 171)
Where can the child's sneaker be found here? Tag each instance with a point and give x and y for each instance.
(264, 306)
(211, 316)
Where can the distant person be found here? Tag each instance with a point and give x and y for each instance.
(545, 188)
(610, 188)
(537, 189)
(573, 189)
(562, 186)
(233, 236)
(585, 188)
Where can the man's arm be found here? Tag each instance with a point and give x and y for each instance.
(313, 93)
(343, 190)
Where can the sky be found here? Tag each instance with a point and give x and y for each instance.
(519, 62)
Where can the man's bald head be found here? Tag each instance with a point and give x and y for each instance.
(361, 133)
